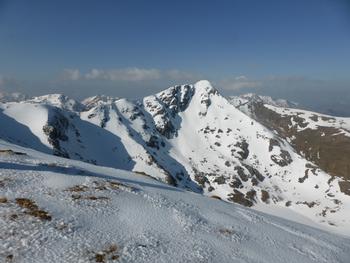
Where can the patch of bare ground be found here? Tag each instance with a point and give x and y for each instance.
(90, 197)
(226, 231)
(100, 186)
(10, 152)
(4, 181)
(143, 174)
(3, 200)
(9, 258)
(265, 196)
(108, 254)
(239, 198)
(78, 188)
(88, 192)
(32, 209)
(309, 204)
(344, 187)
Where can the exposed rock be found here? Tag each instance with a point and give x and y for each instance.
(254, 172)
(55, 130)
(283, 159)
(243, 145)
(239, 198)
(265, 196)
(220, 180)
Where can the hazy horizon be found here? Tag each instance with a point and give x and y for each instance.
(295, 50)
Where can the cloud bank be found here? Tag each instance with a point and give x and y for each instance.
(239, 83)
(127, 74)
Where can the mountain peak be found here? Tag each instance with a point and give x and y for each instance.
(58, 100)
(93, 101)
(12, 97)
(205, 86)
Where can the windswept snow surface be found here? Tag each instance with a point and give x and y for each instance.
(105, 214)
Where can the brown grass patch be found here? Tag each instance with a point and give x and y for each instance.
(3, 200)
(110, 253)
(90, 197)
(78, 188)
(32, 209)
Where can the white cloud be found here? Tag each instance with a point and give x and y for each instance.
(127, 74)
(241, 78)
(71, 74)
(95, 74)
(240, 82)
(175, 74)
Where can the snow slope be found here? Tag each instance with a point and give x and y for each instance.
(54, 209)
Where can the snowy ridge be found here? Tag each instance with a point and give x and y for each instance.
(188, 136)
(249, 98)
(78, 212)
(314, 120)
(10, 97)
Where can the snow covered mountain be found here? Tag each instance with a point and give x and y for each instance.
(250, 98)
(191, 137)
(54, 209)
(15, 96)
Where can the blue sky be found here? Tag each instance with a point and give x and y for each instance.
(130, 48)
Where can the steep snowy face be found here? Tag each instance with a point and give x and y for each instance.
(192, 137)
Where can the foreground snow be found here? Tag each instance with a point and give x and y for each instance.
(97, 214)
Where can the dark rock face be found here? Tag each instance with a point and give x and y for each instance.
(201, 179)
(177, 98)
(168, 104)
(55, 130)
(244, 152)
(254, 172)
(283, 159)
(236, 183)
(239, 198)
(220, 180)
(241, 173)
(153, 142)
(167, 129)
(265, 196)
(273, 143)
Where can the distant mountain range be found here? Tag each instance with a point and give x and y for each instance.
(251, 149)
